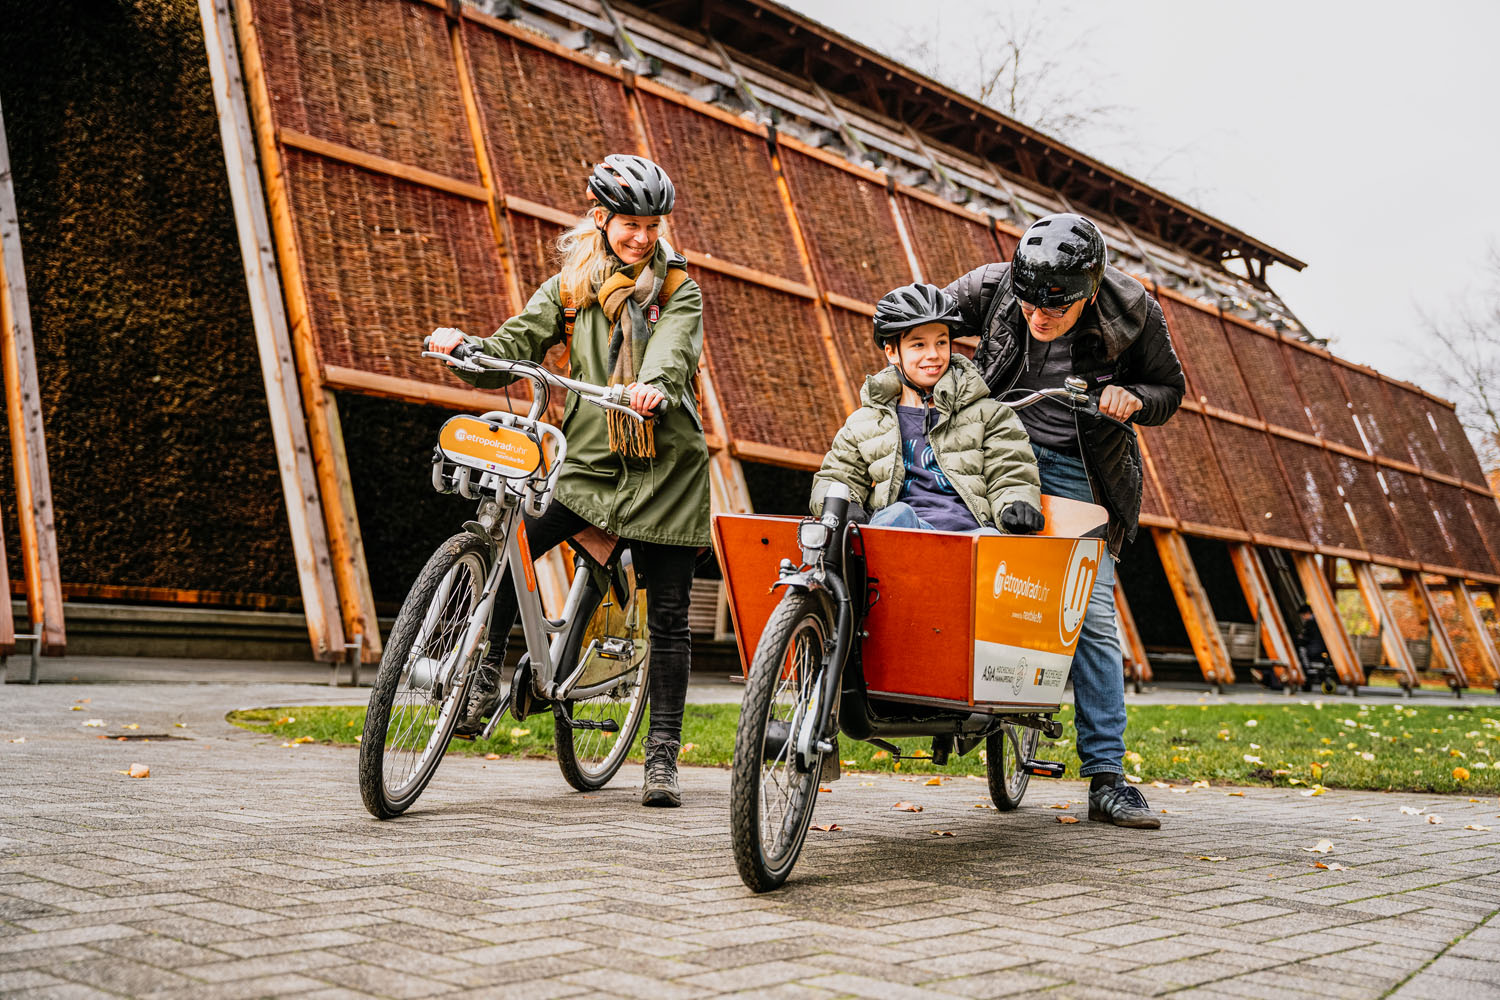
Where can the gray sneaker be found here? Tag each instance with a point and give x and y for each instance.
(484, 700)
(1123, 805)
(661, 788)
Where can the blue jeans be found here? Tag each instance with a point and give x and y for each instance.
(899, 515)
(1098, 673)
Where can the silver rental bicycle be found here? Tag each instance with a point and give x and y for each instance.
(589, 666)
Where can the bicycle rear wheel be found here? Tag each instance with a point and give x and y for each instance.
(771, 799)
(613, 689)
(1006, 751)
(423, 679)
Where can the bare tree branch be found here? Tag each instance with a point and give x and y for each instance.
(1469, 364)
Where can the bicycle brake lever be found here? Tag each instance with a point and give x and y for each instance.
(606, 405)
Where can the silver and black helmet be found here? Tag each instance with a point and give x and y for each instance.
(632, 185)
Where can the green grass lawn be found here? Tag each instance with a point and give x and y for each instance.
(1387, 746)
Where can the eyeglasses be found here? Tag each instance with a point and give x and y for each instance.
(1028, 308)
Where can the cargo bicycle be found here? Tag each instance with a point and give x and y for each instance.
(589, 666)
(880, 633)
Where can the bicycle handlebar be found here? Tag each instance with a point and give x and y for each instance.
(471, 359)
(1073, 394)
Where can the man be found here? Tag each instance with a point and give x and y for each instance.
(1059, 309)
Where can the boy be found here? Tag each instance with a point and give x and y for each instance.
(929, 448)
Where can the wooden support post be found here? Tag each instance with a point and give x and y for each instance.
(1442, 642)
(1326, 612)
(1489, 660)
(1137, 666)
(1262, 601)
(299, 483)
(7, 615)
(325, 434)
(1192, 604)
(1391, 639)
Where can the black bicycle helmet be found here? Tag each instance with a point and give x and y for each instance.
(1060, 260)
(632, 185)
(912, 305)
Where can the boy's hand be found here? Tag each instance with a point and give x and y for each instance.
(1020, 518)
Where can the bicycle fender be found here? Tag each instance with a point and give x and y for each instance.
(805, 581)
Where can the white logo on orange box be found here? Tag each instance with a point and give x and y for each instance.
(1078, 586)
(1020, 586)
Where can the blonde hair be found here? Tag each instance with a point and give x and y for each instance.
(587, 260)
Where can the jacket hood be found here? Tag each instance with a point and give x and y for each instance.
(1120, 312)
(960, 385)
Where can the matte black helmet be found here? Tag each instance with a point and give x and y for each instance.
(632, 185)
(1060, 260)
(912, 305)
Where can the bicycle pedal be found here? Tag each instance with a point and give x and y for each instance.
(465, 736)
(1044, 768)
(607, 725)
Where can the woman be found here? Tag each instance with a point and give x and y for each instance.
(634, 319)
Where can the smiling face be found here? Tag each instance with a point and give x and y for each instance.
(631, 237)
(923, 353)
(1049, 324)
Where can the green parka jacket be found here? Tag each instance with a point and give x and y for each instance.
(663, 499)
(978, 442)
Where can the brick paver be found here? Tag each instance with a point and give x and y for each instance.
(243, 868)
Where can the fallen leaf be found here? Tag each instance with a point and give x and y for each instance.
(1213, 857)
(1237, 794)
(1434, 818)
(19, 739)
(1476, 826)
(130, 725)
(1314, 790)
(848, 763)
(933, 781)
(1134, 779)
(941, 833)
(304, 739)
(491, 756)
(285, 720)
(138, 771)
(1460, 774)
(1067, 819)
(94, 724)
(517, 732)
(907, 807)
(1411, 811)
(1058, 805)
(84, 701)
(1251, 723)
(1356, 819)
(183, 725)
(1317, 771)
(1160, 784)
(983, 805)
(880, 755)
(689, 746)
(1200, 784)
(826, 827)
(1332, 866)
(75, 708)
(824, 789)
(1321, 847)
(1250, 758)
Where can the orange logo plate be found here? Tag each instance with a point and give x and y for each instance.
(489, 447)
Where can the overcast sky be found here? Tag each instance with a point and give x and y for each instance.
(1362, 138)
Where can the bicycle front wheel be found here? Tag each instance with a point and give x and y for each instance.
(771, 798)
(1006, 751)
(423, 680)
(596, 730)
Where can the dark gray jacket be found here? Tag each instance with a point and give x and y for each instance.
(1120, 340)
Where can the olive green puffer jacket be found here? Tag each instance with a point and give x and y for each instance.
(978, 442)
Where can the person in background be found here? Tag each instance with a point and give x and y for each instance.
(630, 316)
(1058, 309)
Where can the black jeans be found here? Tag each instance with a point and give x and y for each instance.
(668, 574)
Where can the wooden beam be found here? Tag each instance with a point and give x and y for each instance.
(380, 165)
(1437, 630)
(1192, 604)
(1488, 660)
(278, 368)
(1319, 597)
(1274, 634)
(1391, 639)
(1137, 666)
(325, 434)
(770, 454)
(23, 407)
(7, 615)
(452, 397)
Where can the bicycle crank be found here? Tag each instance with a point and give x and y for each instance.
(607, 725)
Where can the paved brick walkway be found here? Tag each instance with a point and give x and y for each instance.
(241, 868)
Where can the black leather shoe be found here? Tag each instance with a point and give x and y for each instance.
(1122, 805)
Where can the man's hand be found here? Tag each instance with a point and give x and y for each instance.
(644, 398)
(1020, 518)
(1118, 403)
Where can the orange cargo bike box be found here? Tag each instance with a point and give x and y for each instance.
(985, 623)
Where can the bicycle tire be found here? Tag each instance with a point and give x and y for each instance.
(393, 769)
(590, 758)
(1005, 751)
(788, 665)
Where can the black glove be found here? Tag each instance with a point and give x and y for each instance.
(857, 514)
(1020, 518)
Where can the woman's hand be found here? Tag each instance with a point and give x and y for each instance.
(1118, 403)
(644, 399)
(444, 339)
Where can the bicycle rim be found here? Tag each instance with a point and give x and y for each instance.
(424, 707)
(589, 757)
